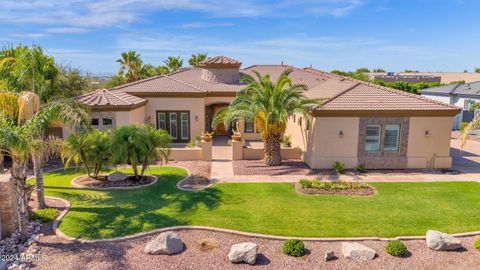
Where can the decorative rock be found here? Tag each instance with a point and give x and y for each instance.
(3, 265)
(243, 252)
(329, 255)
(441, 241)
(117, 176)
(166, 243)
(357, 252)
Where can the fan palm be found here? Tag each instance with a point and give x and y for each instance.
(269, 104)
(130, 66)
(196, 58)
(474, 124)
(174, 63)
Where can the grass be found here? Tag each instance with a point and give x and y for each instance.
(44, 215)
(270, 208)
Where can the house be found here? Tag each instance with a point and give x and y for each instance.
(406, 77)
(460, 95)
(442, 77)
(360, 123)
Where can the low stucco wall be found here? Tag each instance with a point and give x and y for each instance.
(257, 153)
(186, 154)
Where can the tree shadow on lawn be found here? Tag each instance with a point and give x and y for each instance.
(113, 213)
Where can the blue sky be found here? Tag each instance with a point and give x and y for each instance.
(428, 35)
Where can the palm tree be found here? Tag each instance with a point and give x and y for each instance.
(174, 63)
(196, 58)
(474, 124)
(269, 104)
(25, 138)
(130, 66)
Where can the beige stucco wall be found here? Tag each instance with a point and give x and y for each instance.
(179, 154)
(196, 107)
(432, 151)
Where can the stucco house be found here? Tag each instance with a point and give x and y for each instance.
(359, 123)
(460, 95)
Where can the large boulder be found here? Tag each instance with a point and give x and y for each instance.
(357, 252)
(166, 243)
(243, 252)
(441, 241)
(117, 176)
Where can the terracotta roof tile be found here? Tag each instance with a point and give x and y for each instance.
(104, 97)
(219, 60)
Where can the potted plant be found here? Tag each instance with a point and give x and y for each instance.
(207, 136)
(237, 136)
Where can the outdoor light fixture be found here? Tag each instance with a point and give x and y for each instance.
(340, 134)
(196, 117)
(427, 133)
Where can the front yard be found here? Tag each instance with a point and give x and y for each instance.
(269, 208)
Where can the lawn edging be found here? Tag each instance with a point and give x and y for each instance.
(179, 183)
(74, 184)
(60, 234)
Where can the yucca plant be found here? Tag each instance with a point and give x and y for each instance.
(269, 104)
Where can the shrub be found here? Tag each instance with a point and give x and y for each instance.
(361, 168)
(317, 184)
(339, 167)
(396, 248)
(463, 125)
(476, 243)
(287, 141)
(44, 215)
(294, 248)
(305, 183)
(191, 144)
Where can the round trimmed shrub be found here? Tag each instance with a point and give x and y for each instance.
(396, 248)
(294, 248)
(476, 243)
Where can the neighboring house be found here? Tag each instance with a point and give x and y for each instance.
(408, 78)
(360, 123)
(460, 95)
(445, 77)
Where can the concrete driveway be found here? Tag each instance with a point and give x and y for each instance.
(466, 160)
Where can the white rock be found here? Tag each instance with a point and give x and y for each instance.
(357, 252)
(441, 241)
(243, 252)
(165, 243)
(117, 176)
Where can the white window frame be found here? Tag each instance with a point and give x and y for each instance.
(184, 133)
(378, 144)
(388, 128)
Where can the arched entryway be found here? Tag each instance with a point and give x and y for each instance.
(210, 113)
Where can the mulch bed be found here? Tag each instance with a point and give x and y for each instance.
(366, 191)
(257, 167)
(102, 182)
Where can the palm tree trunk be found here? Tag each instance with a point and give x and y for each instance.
(38, 171)
(22, 193)
(2, 159)
(273, 155)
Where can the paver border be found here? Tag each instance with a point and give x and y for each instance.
(60, 234)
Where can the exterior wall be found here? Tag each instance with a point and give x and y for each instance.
(8, 213)
(180, 154)
(432, 151)
(221, 75)
(137, 116)
(196, 106)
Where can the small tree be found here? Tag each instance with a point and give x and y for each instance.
(139, 145)
(196, 58)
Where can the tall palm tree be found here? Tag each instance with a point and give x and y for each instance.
(174, 63)
(269, 104)
(196, 58)
(130, 66)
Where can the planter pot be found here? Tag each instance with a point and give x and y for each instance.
(237, 137)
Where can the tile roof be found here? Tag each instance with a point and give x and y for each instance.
(105, 98)
(219, 60)
(468, 89)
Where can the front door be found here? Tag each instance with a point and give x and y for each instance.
(176, 123)
(220, 130)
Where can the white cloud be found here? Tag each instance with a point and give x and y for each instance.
(66, 30)
(195, 25)
(29, 35)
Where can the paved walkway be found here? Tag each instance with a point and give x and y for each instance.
(467, 161)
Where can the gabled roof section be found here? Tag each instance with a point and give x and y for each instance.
(440, 90)
(467, 89)
(103, 98)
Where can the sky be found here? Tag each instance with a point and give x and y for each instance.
(426, 35)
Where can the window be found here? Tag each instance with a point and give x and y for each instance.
(372, 138)
(391, 138)
(249, 125)
(95, 122)
(176, 123)
(107, 121)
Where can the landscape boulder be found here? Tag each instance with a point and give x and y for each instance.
(166, 243)
(243, 253)
(357, 252)
(441, 241)
(117, 176)
(329, 255)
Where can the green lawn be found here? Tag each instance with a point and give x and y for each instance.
(270, 208)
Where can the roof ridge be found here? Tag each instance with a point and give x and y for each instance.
(186, 83)
(396, 91)
(148, 79)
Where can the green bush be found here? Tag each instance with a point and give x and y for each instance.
(361, 168)
(305, 183)
(476, 243)
(396, 248)
(317, 184)
(287, 142)
(44, 215)
(463, 125)
(191, 144)
(339, 167)
(294, 248)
